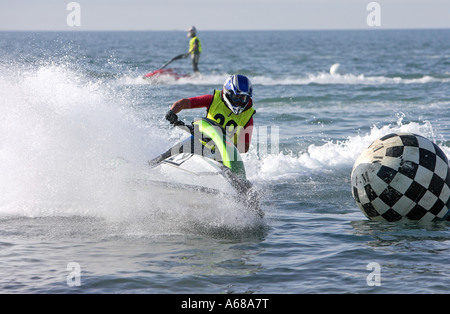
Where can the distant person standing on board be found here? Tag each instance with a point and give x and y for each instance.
(195, 47)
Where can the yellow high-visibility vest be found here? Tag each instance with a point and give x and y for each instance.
(192, 42)
(233, 124)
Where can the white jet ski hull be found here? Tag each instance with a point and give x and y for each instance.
(197, 179)
(193, 171)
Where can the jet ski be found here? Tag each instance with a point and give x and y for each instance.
(171, 73)
(205, 165)
(163, 72)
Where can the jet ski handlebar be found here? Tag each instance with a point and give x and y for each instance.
(189, 128)
(173, 119)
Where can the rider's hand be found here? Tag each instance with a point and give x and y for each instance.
(171, 117)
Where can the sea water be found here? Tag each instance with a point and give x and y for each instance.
(78, 123)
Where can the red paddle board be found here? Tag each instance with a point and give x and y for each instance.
(168, 72)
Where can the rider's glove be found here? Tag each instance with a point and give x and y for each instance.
(171, 117)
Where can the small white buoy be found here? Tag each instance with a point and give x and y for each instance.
(335, 69)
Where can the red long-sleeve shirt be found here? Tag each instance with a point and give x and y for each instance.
(206, 101)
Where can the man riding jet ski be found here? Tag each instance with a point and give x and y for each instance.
(215, 142)
(231, 107)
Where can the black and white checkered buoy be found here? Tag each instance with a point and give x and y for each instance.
(402, 175)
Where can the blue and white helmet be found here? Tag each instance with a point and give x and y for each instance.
(237, 92)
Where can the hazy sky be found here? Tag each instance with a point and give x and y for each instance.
(221, 14)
